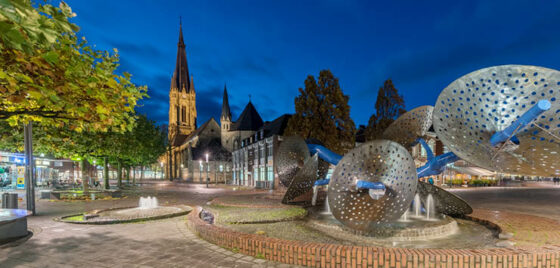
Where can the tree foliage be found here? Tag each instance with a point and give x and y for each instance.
(48, 74)
(388, 107)
(323, 113)
(140, 146)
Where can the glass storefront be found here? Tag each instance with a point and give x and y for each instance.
(47, 171)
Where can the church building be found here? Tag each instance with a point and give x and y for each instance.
(203, 153)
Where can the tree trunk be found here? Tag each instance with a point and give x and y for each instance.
(134, 176)
(169, 165)
(85, 177)
(106, 172)
(119, 173)
(141, 172)
(29, 168)
(127, 170)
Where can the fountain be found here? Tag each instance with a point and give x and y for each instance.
(374, 185)
(315, 193)
(417, 205)
(147, 209)
(404, 217)
(429, 207)
(147, 202)
(327, 208)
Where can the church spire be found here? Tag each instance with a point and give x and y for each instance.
(226, 114)
(181, 78)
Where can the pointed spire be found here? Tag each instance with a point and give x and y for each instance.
(249, 119)
(226, 114)
(181, 79)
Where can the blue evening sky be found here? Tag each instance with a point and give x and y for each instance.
(266, 49)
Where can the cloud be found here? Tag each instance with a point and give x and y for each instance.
(140, 50)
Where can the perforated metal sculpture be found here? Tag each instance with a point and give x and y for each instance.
(504, 118)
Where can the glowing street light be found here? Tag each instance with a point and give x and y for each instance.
(200, 168)
(161, 164)
(207, 167)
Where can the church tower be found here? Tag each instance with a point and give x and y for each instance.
(182, 97)
(226, 124)
(225, 119)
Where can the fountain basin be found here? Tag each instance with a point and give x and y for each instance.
(413, 230)
(13, 224)
(126, 215)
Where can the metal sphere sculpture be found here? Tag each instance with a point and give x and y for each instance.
(373, 163)
(410, 126)
(445, 202)
(303, 180)
(478, 111)
(291, 156)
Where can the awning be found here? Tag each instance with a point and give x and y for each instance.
(473, 171)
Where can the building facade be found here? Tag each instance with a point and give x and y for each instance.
(253, 158)
(203, 153)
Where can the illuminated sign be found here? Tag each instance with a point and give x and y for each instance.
(17, 160)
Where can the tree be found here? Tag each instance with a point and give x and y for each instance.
(323, 113)
(150, 140)
(388, 107)
(48, 75)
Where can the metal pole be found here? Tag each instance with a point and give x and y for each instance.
(29, 170)
(106, 172)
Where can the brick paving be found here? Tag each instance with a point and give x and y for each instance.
(528, 231)
(169, 243)
(160, 243)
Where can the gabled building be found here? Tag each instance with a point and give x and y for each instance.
(189, 145)
(246, 125)
(253, 157)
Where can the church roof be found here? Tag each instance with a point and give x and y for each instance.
(178, 140)
(226, 113)
(249, 119)
(201, 128)
(214, 149)
(181, 79)
(277, 126)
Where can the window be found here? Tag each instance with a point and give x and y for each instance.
(270, 173)
(178, 114)
(262, 174)
(269, 150)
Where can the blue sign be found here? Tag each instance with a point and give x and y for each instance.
(17, 160)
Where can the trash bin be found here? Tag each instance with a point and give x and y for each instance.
(45, 194)
(10, 200)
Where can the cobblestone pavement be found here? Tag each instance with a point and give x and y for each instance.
(538, 201)
(168, 243)
(162, 243)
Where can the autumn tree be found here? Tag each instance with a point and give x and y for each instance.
(323, 113)
(388, 107)
(151, 143)
(48, 74)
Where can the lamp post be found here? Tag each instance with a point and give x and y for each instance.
(207, 167)
(161, 164)
(200, 169)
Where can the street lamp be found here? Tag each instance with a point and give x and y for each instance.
(207, 167)
(161, 164)
(200, 169)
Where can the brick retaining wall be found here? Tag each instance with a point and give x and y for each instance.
(332, 255)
